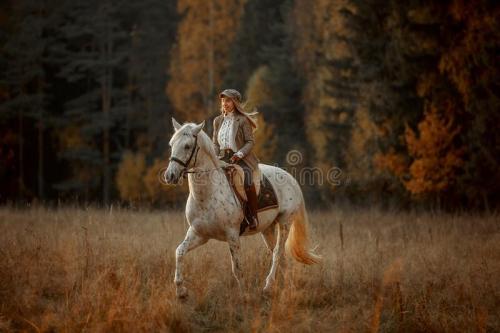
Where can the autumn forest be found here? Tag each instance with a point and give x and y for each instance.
(400, 97)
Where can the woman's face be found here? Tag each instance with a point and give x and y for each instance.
(227, 104)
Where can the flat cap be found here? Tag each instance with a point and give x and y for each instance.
(231, 93)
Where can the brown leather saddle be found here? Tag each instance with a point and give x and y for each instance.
(266, 198)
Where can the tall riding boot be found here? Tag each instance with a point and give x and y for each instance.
(252, 205)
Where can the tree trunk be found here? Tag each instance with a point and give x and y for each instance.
(106, 84)
(21, 154)
(40, 149)
(211, 59)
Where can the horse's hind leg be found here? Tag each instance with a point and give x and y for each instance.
(284, 227)
(190, 242)
(269, 237)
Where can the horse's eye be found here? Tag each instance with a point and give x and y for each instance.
(186, 147)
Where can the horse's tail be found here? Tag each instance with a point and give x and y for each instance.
(297, 241)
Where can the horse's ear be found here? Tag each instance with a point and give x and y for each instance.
(198, 128)
(176, 124)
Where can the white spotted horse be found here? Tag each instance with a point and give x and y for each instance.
(214, 212)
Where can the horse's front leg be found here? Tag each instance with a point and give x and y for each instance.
(190, 242)
(234, 248)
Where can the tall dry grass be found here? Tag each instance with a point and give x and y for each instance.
(92, 270)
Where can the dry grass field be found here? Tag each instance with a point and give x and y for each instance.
(71, 270)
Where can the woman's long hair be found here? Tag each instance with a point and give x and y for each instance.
(240, 107)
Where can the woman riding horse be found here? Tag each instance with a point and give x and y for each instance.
(213, 212)
(233, 140)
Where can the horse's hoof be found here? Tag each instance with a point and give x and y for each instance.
(267, 291)
(246, 298)
(182, 293)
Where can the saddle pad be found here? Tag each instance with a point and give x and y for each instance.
(267, 197)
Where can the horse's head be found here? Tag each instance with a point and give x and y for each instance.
(184, 148)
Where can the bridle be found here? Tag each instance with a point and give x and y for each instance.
(194, 152)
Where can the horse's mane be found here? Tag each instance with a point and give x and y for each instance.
(204, 140)
(207, 145)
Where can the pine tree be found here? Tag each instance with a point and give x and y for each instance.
(469, 62)
(285, 112)
(253, 36)
(92, 54)
(394, 46)
(24, 80)
(153, 28)
(329, 65)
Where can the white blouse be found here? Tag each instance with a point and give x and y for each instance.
(226, 137)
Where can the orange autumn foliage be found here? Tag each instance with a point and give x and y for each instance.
(138, 183)
(129, 178)
(159, 193)
(259, 93)
(392, 162)
(201, 55)
(436, 159)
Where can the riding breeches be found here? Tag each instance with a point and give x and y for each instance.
(246, 169)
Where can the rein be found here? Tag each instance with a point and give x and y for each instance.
(186, 164)
(201, 171)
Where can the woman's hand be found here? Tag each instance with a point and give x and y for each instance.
(235, 158)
